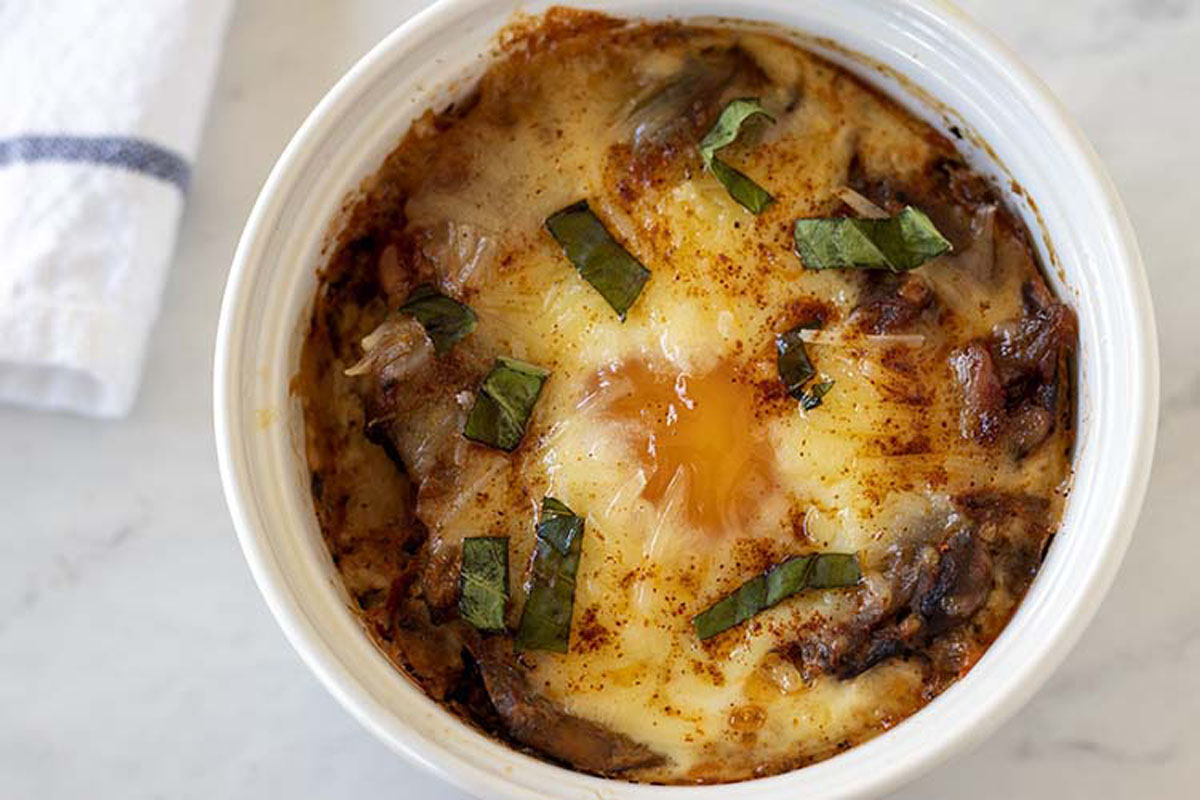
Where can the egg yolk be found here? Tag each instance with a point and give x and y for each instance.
(695, 436)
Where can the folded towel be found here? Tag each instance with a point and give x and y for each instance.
(101, 107)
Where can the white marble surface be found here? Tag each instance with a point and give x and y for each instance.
(137, 659)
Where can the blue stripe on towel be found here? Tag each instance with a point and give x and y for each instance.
(124, 152)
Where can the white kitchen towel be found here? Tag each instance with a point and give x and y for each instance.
(101, 109)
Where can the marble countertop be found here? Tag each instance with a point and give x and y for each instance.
(137, 659)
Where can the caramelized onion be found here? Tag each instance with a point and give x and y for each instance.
(462, 254)
(861, 205)
(397, 348)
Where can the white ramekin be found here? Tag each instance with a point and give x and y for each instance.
(922, 51)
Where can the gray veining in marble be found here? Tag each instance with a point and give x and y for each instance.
(137, 660)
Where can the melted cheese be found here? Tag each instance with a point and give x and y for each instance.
(668, 431)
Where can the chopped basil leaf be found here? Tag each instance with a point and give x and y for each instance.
(834, 571)
(814, 571)
(795, 368)
(725, 132)
(483, 582)
(445, 319)
(734, 609)
(546, 618)
(786, 578)
(752, 196)
(600, 259)
(504, 403)
(559, 525)
(727, 127)
(899, 243)
(812, 398)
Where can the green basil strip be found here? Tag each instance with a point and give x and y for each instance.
(741, 188)
(546, 618)
(813, 397)
(600, 259)
(483, 582)
(559, 525)
(834, 571)
(732, 610)
(795, 368)
(445, 319)
(814, 571)
(787, 578)
(727, 127)
(504, 403)
(725, 132)
(899, 243)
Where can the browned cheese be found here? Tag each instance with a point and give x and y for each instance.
(941, 455)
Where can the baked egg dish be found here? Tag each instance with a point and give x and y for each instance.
(678, 407)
